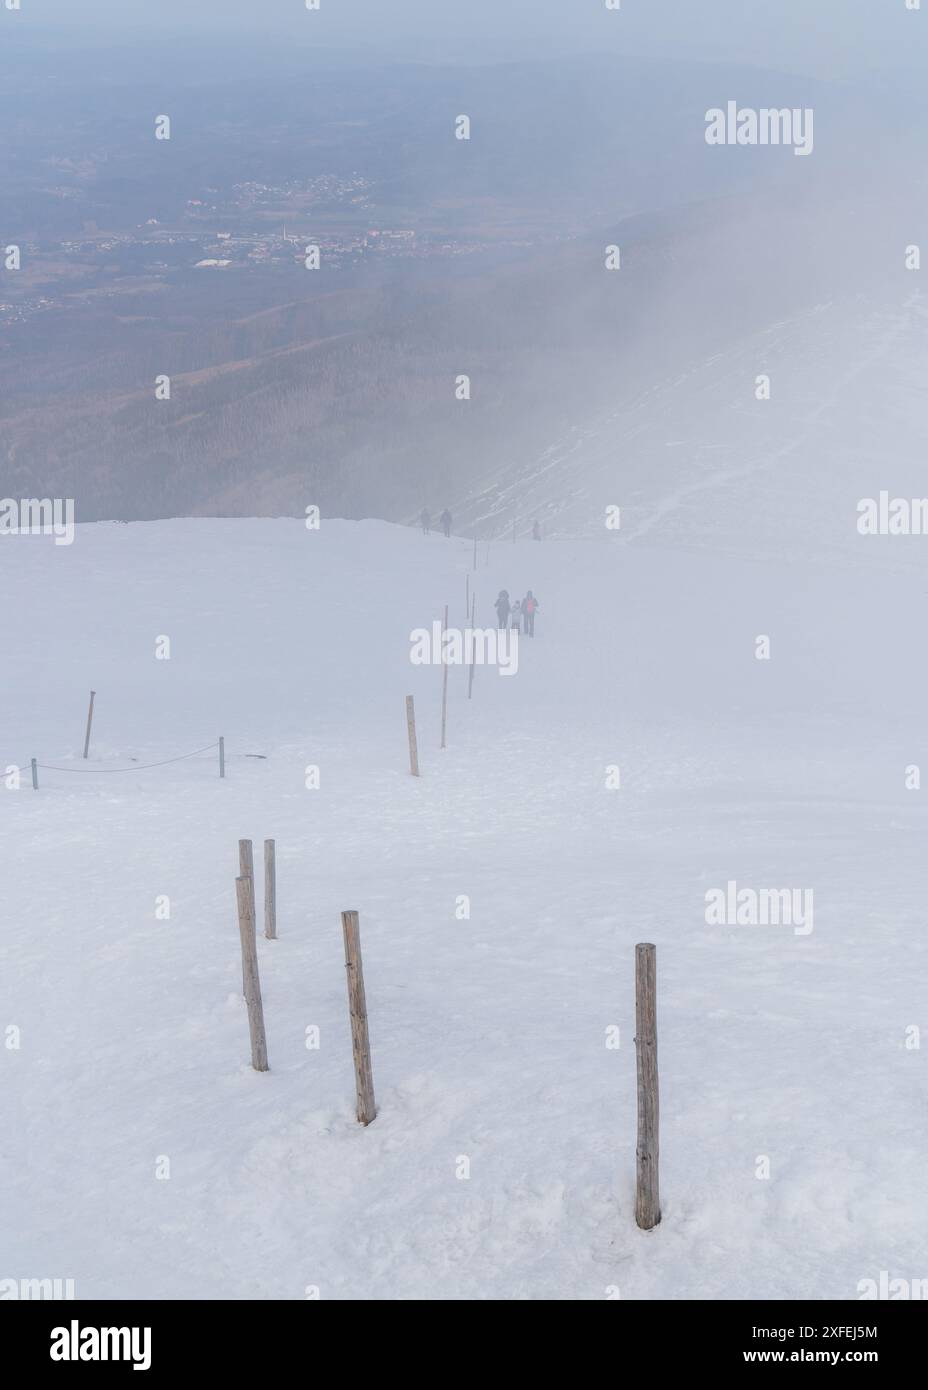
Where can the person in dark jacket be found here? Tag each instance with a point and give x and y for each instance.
(426, 520)
(536, 531)
(445, 520)
(502, 608)
(529, 609)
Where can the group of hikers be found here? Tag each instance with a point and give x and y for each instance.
(444, 522)
(520, 614)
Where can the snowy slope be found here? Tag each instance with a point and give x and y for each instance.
(489, 1034)
(696, 459)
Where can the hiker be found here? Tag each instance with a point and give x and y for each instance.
(502, 607)
(515, 616)
(426, 520)
(445, 520)
(529, 608)
(536, 531)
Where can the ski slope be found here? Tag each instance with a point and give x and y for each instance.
(489, 1034)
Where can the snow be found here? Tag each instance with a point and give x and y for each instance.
(696, 458)
(489, 1034)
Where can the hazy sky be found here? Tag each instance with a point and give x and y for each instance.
(827, 37)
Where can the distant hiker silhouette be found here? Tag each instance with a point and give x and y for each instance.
(502, 608)
(529, 609)
(426, 520)
(536, 531)
(445, 520)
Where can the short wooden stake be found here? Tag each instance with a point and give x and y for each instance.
(647, 1194)
(444, 680)
(270, 891)
(244, 892)
(411, 731)
(357, 1007)
(35, 775)
(89, 723)
(222, 756)
(246, 867)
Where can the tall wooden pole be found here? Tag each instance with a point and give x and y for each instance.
(222, 756)
(470, 674)
(444, 680)
(89, 723)
(35, 775)
(411, 731)
(357, 1007)
(647, 1193)
(246, 867)
(270, 890)
(244, 893)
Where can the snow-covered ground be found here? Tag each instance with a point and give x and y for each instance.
(489, 1034)
(696, 458)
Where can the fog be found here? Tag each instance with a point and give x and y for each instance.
(184, 259)
(825, 37)
(602, 331)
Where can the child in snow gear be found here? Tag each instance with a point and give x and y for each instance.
(502, 607)
(515, 616)
(529, 608)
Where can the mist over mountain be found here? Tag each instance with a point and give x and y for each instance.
(439, 257)
(477, 451)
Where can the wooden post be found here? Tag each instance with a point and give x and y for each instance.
(411, 731)
(270, 891)
(357, 1007)
(35, 775)
(466, 596)
(244, 893)
(222, 756)
(246, 867)
(89, 722)
(444, 680)
(647, 1194)
(470, 674)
